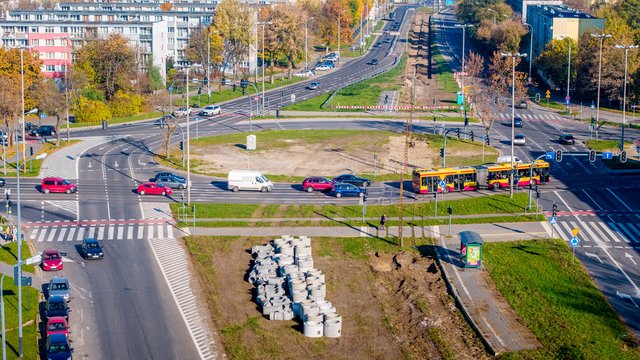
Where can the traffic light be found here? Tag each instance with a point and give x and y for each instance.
(364, 195)
(555, 210)
(471, 133)
(224, 81)
(623, 156)
(181, 145)
(466, 121)
(458, 132)
(30, 150)
(441, 152)
(558, 155)
(486, 141)
(537, 193)
(234, 87)
(592, 155)
(450, 210)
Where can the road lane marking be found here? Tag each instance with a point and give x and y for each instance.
(72, 231)
(80, 233)
(52, 234)
(63, 231)
(100, 233)
(110, 232)
(120, 232)
(129, 231)
(622, 202)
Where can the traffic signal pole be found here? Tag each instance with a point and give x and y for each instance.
(531, 180)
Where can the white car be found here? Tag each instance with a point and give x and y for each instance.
(322, 68)
(304, 73)
(183, 111)
(519, 139)
(210, 110)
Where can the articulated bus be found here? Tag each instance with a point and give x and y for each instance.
(468, 178)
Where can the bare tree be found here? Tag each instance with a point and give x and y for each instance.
(51, 100)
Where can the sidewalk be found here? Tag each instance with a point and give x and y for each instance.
(6, 269)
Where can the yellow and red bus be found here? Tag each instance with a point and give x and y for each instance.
(488, 176)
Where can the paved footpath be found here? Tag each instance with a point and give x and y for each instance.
(485, 309)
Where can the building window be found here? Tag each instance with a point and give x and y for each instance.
(50, 42)
(22, 29)
(133, 30)
(185, 18)
(48, 29)
(118, 29)
(50, 68)
(64, 29)
(34, 29)
(35, 42)
(38, 17)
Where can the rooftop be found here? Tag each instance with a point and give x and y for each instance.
(558, 11)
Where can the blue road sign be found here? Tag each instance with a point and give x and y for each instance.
(43, 115)
(553, 220)
(607, 155)
(442, 184)
(550, 155)
(196, 119)
(574, 241)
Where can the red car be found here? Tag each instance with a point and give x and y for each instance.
(51, 260)
(57, 325)
(153, 188)
(54, 184)
(317, 183)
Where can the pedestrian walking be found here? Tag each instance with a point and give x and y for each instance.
(383, 218)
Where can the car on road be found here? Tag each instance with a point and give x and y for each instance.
(91, 249)
(316, 183)
(172, 182)
(343, 189)
(44, 130)
(183, 111)
(170, 174)
(387, 40)
(567, 139)
(59, 286)
(304, 73)
(517, 122)
(58, 348)
(377, 44)
(164, 121)
(57, 325)
(522, 104)
(57, 185)
(352, 179)
(374, 62)
(56, 306)
(153, 188)
(519, 139)
(210, 110)
(3, 182)
(51, 260)
(313, 86)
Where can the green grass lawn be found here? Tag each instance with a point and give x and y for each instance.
(364, 93)
(9, 254)
(126, 119)
(557, 301)
(443, 74)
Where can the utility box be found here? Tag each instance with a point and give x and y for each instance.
(471, 249)
(251, 142)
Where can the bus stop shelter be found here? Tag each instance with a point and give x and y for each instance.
(471, 249)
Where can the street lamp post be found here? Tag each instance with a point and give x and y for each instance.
(306, 52)
(464, 35)
(263, 23)
(602, 37)
(530, 50)
(339, 31)
(624, 91)
(66, 86)
(567, 98)
(208, 66)
(513, 111)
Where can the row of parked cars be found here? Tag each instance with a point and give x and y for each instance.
(58, 295)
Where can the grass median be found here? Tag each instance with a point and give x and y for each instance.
(557, 301)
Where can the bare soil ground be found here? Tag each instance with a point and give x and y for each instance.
(394, 306)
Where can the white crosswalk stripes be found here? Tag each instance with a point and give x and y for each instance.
(112, 232)
(529, 116)
(616, 233)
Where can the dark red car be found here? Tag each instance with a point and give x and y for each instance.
(152, 188)
(57, 325)
(316, 183)
(51, 260)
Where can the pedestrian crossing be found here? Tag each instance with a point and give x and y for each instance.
(591, 233)
(101, 232)
(528, 116)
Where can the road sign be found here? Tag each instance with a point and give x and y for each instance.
(293, 98)
(607, 155)
(553, 220)
(442, 184)
(43, 115)
(442, 177)
(196, 119)
(575, 231)
(550, 155)
(548, 94)
(574, 241)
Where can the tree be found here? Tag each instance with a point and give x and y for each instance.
(328, 23)
(91, 111)
(196, 50)
(110, 64)
(52, 101)
(235, 22)
(553, 61)
(166, 6)
(286, 32)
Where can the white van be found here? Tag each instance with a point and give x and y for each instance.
(507, 159)
(248, 180)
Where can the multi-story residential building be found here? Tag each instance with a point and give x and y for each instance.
(520, 6)
(556, 22)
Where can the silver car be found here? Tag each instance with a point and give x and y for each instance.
(59, 286)
(171, 182)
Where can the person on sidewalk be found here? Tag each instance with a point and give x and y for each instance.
(383, 218)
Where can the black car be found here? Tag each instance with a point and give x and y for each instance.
(352, 179)
(2, 182)
(58, 347)
(517, 122)
(170, 174)
(45, 130)
(56, 306)
(172, 182)
(374, 61)
(91, 249)
(567, 139)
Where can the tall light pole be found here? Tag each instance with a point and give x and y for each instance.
(624, 92)
(66, 85)
(568, 98)
(339, 31)
(263, 23)
(464, 35)
(306, 53)
(602, 37)
(208, 66)
(530, 50)
(188, 67)
(513, 111)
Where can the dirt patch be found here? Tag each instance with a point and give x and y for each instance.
(394, 306)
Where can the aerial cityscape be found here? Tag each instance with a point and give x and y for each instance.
(322, 179)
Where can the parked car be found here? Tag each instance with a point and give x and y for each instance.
(210, 110)
(91, 249)
(517, 122)
(56, 306)
(304, 73)
(374, 62)
(57, 325)
(57, 185)
(321, 67)
(519, 139)
(58, 347)
(153, 188)
(170, 174)
(59, 286)
(344, 189)
(313, 86)
(567, 139)
(183, 111)
(352, 179)
(172, 182)
(316, 183)
(51, 260)
(45, 130)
